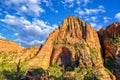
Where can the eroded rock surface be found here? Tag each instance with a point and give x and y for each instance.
(110, 42)
(74, 43)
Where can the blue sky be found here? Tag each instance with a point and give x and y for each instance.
(29, 22)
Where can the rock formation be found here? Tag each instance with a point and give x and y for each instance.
(74, 43)
(11, 49)
(110, 42)
(8, 46)
(14, 59)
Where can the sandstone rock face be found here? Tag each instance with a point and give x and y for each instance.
(16, 52)
(7, 46)
(110, 42)
(74, 43)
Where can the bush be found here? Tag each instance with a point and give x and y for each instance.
(8, 70)
(2, 76)
(85, 73)
(109, 63)
(89, 76)
(38, 72)
(69, 68)
(55, 71)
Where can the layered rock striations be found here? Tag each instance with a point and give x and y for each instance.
(110, 42)
(74, 43)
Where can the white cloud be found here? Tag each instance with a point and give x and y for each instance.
(71, 3)
(91, 19)
(34, 1)
(106, 19)
(1, 36)
(94, 18)
(93, 24)
(117, 16)
(86, 1)
(32, 43)
(68, 3)
(16, 34)
(101, 7)
(47, 2)
(24, 8)
(36, 42)
(28, 31)
(87, 11)
(96, 26)
(78, 2)
(31, 7)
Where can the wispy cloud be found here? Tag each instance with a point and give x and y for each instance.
(72, 3)
(91, 19)
(29, 31)
(1, 36)
(29, 7)
(68, 3)
(96, 26)
(90, 11)
(106, 19)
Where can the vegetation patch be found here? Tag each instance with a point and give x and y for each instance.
(109, 63)
(55, 71)
(115, 40)
(79, 45)
(11, 70)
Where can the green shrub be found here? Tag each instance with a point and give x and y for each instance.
(55, 71)
(79, 45)
(2, 76)
(115, 40)
(69, 68)
(89, 76)
(92, 50)
(38, 71)
(86, 73)
(109, 63)
(9, 70)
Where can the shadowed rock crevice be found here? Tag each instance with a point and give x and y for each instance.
(110, 42)
(62, 57)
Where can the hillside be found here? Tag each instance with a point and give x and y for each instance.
(14, 57)
(8, 46)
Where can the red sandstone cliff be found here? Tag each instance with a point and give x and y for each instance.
(110, 42)
(74, 43)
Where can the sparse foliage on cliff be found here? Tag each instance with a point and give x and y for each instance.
(115, 40)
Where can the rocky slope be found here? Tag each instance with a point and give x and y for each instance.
(110, 41)
(74, 43)
(12, 49)
(7, 46)
(14, 59)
